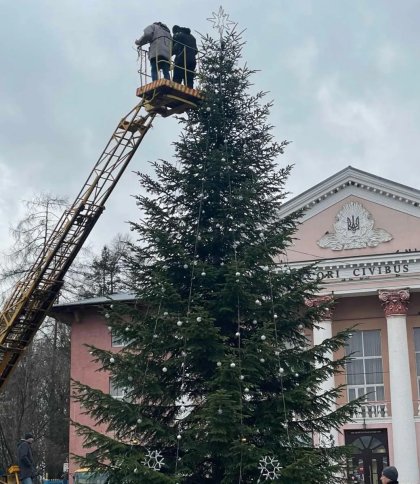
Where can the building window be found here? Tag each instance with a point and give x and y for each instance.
(417, 350)
(364, 371)
(115, 390)
(117, 341)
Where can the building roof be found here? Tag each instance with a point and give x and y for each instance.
(94, 301)
(353, 180)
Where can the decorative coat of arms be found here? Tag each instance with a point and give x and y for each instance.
(354, 229)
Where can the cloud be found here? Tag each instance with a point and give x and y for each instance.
(388, 58)
(302, 60)
(350, 117)
(374, 132)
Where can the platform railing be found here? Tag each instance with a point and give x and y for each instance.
(146, 74)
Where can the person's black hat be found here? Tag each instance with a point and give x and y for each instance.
(391, 473)
(28, 435)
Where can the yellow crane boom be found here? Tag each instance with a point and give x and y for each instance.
(33, 296)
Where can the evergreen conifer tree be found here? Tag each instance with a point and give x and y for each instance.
(221, 385)
(105, 274)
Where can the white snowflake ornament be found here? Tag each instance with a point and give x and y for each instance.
(153, 460)
(270, 468)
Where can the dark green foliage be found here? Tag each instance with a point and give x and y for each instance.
(105, 274)
(218, 370)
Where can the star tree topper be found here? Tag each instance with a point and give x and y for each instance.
(220, 21)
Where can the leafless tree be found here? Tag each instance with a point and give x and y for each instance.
(36, 395)
(35, 399)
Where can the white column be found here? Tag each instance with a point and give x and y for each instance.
(320, 334)
(403, 427)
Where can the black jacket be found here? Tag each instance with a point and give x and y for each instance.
(25, 460)
(184, 40)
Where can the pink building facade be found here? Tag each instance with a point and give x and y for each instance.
(88, 327)
(363, 233)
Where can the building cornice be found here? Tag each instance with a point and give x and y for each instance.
(365, 274)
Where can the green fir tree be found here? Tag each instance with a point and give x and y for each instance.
(221, 383)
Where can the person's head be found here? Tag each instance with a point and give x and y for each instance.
(161, 24)
(389, 474)
(176, 28)
(29, 437)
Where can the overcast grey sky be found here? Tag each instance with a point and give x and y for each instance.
(344, 76)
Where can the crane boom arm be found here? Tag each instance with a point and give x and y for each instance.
(34, 294)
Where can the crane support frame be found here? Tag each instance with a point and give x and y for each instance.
(33, 296)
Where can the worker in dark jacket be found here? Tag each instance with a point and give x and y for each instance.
(185, 51)
(389, 475)
(25, 460)
(159, 37)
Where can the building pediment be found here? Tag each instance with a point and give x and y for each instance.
(352, 181)
(362, 232)
(355, 214)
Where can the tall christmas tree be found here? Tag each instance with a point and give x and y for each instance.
(221, 384)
